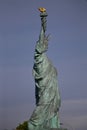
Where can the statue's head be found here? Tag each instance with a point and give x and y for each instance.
(42, 46)
(45, 43)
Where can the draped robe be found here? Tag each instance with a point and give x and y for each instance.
(46, 88)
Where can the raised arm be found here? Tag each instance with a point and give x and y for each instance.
(42, 43)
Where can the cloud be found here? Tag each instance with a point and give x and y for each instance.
(74, 114)
(71, 114)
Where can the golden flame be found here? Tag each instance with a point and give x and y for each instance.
(42, 9)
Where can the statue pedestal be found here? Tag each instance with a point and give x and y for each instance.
(56, 129)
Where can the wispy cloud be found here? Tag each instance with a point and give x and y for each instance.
(74, 114)
(71, 114)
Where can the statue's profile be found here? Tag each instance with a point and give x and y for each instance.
(46, 114)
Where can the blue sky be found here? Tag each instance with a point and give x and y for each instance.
(19, 31)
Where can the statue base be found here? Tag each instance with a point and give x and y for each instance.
(56, 129)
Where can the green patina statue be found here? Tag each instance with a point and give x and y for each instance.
(46, 114)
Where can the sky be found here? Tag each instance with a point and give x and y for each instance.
(19, 30)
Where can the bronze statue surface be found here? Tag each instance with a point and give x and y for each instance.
(46, 114)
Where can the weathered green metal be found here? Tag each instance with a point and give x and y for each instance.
(46, 114)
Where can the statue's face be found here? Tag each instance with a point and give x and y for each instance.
(45, 44)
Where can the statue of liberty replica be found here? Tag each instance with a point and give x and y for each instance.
(46, 114)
